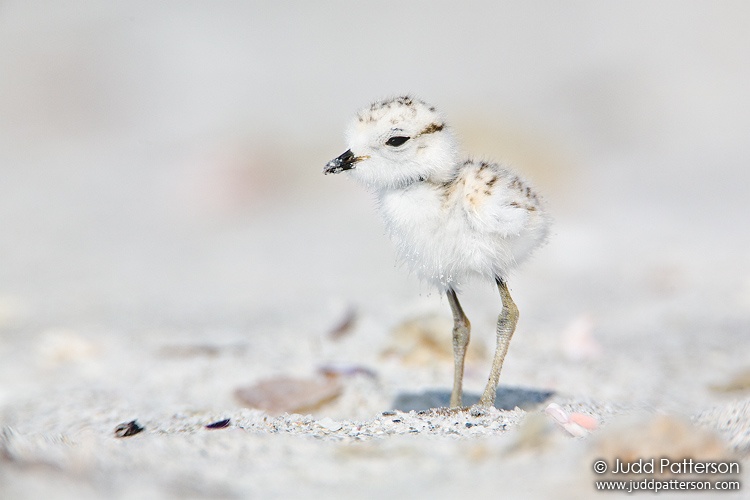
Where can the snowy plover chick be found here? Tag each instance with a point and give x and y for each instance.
(450, 219)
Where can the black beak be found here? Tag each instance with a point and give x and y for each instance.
(344, 162)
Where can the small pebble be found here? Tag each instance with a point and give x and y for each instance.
(330, 424)
(477, 411)
(576, 424)
(128, 429)
(345, 370)
(221, 424)
(292, 395)
(345, 326)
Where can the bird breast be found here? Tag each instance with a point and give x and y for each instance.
(483, 222)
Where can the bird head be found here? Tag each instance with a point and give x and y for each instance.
(396, 142)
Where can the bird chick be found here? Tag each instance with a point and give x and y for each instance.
(451, 219)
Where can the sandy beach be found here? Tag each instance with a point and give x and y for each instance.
(171, 254)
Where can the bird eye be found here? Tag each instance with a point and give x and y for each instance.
(396, 141)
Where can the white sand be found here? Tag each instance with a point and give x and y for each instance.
(162, 245)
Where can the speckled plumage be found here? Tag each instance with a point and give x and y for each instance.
(451, 220)
(482, 223)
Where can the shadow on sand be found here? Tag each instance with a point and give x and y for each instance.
(507, 399)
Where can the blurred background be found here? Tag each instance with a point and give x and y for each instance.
(167, 238)
(161, 162)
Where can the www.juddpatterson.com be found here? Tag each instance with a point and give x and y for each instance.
(651, 484)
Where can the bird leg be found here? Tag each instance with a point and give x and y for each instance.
(461, 328)
(506, 325)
